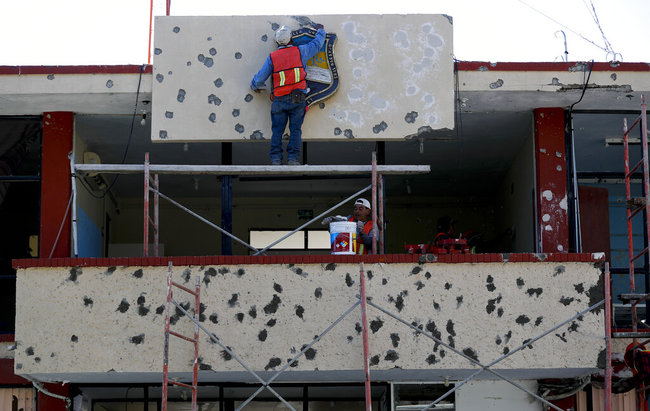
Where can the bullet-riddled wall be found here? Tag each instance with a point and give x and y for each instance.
(81, 322)
(395, 77)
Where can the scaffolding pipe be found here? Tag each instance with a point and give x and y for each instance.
(314, 219)
(166, 338)
(156, 217)
(145, 244)
(380, 223)
(374, 202)
(608, 339)
(75, 246)
(364, 327)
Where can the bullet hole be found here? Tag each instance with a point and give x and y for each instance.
(264, 38)
(110, 270)
(566, 300)
(399, 303)
(253, 312)
(142, 310)
(491, 306)
(235, 112)
(211, 272)
(506, 350)
(450, 328)
(212, 99)
(75, 272)
(212, 117)
(224, 270)
(310, 354)
(451, 342)
(240, 272)
(384, 281)
(176, 29)
(214, 318)
(50, 76)
(431, 359)
(410, 117)
(522, 319)
(124, 306)
(500, 312)
(459, 301)
(394, 339)
(88, 301)
(574, 326)
(508, 336)
(138, 273)
(262, 335)
(180, 97)
(272, 307)
(330, 267)
(559, 270)
(538, 320)
(213, 51)
(273, 362)
(416, 270)
(357, 328)
(525, 342)
(248, 98)
(378, 128)
(160, 309)
(233, 300)
(520, 282)
(19, 366)
(349, 338)
(160, 78)
(348, 280)
(275, 26)
(256, 135)
(375, 325)
(271, 322)
(498, 341)
(436, 306)
(209, 62)
(141, 299)
(337, 131)
(137, 339)
(318, 292)
(580, 288)
(391, 356)
(447, 286)
(348, 134)
(29, 351)
(490, 284)
(536, 291)
(321, 105)
(238, 55)
(218, 82)
(239, 128)
(109, 83)
(225, 355)
(496, 84)
(471, 353)
(370, 274)
(157, 51)
(374, 360)
(239, 317)
(189, 63)
(163, 134)
(37, 359)
(299, 311)
(205, 367)
(74, 338)
(420, 285)
(561, 337)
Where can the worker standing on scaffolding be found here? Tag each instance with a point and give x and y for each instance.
(289, 90)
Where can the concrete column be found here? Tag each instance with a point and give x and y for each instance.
(55, 182)
(550, 173)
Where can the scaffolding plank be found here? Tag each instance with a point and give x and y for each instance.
(252, 170)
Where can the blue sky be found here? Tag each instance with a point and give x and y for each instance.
(79, 32)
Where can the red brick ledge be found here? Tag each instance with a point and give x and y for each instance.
(307, 259)
(547, 66)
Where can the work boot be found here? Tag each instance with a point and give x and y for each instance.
(276, 162)
(293, 162)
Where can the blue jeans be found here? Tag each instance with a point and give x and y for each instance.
(283, 110)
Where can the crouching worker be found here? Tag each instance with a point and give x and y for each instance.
(361, 216)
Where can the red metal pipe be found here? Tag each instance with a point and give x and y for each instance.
(169, 4)
(630, 243)
(362, 284)
(150, 29)
(380, 189)
(156, 217)
(166, 339)
(195, 371)
(608, 339)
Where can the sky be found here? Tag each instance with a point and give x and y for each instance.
(97, 32)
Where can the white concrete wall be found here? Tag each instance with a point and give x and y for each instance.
(395, 70)
(108, 321)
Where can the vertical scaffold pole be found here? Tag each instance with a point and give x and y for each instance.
(145, 250)
(156, 214)
(374, 202)
(381, 225)
(166, 338)
(195, 370)
(362, 285)
(608, 339)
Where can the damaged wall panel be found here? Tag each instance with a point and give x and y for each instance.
(395, 77)
(110, 319)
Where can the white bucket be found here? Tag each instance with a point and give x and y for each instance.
(343, 237)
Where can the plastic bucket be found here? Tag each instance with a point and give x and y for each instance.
(343, 237)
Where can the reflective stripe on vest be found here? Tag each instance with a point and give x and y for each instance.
(288, 71)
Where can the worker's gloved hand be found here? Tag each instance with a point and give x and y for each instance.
(327, 220)
(333, 219)
(360, 225)
(257, 90)
(317, 26)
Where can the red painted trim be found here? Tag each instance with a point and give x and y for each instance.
(47, 403)
(547, 66)
(122, 69)
(306, 259)
(56, 186)
(7, 376)
(550, 169)
(7, 338)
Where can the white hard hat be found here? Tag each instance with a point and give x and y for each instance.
(283, 36)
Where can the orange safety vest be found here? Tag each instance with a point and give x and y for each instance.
(288, 71)
(367, 228)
